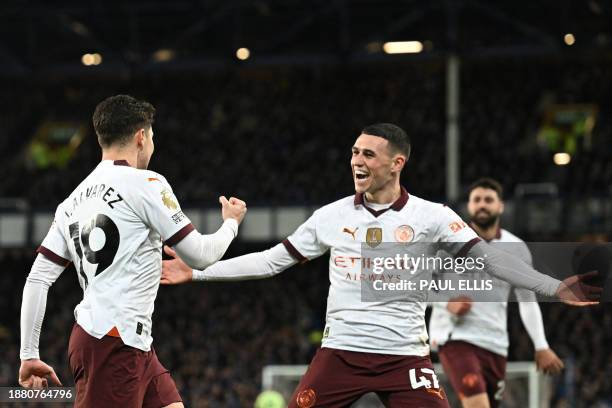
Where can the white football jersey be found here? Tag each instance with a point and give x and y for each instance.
(111, 227)
(485, 325)
(385, 327)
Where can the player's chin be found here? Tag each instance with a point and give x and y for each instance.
(361, 186)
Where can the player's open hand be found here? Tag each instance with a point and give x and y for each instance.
(548, 362)
(232, 208)
(174, 271)
(33, 374)
(459, 305)
(574, 291)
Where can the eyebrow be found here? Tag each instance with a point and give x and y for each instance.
(354, 148)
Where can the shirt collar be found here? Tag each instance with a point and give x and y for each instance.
(396, 206)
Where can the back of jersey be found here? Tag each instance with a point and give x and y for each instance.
(112, 227)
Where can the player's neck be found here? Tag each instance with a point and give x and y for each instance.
(121, 154)
(384, 195)
(487, 234)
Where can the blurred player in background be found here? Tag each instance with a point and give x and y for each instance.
(111, 227)
(378, 346)
(472, 336)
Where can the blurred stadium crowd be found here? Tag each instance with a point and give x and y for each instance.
(283, 136)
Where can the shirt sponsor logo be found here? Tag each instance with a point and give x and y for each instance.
(374, 236)
(168, 200)
(351, 233)
(404, 233)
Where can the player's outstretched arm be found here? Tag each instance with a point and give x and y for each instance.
(546, 359)
(200, 251)
(33, 371)
(256, 265)
(573, 290)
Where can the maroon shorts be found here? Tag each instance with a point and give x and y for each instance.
(473, 370)
(337, 378)
(108, 373)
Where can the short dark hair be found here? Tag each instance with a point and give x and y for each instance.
(488, 183)
(117, 118)
(397, 137)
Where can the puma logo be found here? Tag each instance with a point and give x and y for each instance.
(351, 233)
(438, 392)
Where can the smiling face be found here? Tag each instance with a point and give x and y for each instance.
(375, 165)
(484, 207)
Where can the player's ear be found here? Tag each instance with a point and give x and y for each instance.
(501, 208)
(140, 136)
(398, 162)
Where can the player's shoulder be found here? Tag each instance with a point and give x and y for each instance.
(426, 207)
(507, 236)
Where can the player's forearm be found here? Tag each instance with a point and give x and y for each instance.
(41, 277)
(257, 265)
(32, 314)
(199, 251)
(513, 270)
(531, 315)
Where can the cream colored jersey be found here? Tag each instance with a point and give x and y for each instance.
(112, 227)
(385, 326)
(485, 325)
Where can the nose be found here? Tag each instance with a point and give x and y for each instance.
(357, 160)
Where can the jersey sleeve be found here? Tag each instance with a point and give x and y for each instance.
(160, 210)
(453, 234)
(305, 243)
(54, 247)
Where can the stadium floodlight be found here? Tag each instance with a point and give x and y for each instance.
(163, 55)
(91, 59)
(569, 39)
(403, 47)
(561, 159)
(243, 53)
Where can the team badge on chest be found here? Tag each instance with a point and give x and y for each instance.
(374, 236)
(404, 233)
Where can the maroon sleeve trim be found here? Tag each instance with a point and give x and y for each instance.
(52, 256)
(294, 252)
(178, 237)
(466, 248)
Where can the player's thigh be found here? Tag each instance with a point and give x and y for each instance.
(329, 382)
(410, 381)
(161, 390)
(463, 368)
(476, 401)
(494, 371)
(175, 405)
(106, 372)
(417, 398)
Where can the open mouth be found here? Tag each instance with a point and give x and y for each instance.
(361, 175)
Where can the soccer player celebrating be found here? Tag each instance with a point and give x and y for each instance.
(378, 346)
(472, 337)
(111, 227)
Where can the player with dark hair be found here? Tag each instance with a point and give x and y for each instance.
(378, 346)
(472, 336)
(111, 227)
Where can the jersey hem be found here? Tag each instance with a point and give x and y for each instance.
(370, 351)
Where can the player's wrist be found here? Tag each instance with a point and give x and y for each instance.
(232, 224)
(197, 275)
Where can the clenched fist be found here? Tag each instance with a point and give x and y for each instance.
(232, 208)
